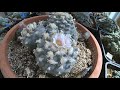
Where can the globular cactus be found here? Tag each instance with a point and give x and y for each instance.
(54, 41)
(116, 74)
(5, 22)
(108, 25)
(56, 55)
(31, 33)
(83, 18)
(112, 45)
(113, 42)
(18, 15)
(64, 22)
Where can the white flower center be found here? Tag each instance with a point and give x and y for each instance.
(61, 40)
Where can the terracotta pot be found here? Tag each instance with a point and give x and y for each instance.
(6, 68)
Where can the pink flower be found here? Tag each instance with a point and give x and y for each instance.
(62, 40)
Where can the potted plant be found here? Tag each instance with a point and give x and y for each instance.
(110, 37)
(54, 42)
(5, 24)
(112, 70)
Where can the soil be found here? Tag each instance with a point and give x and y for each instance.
(2, 36)
(23, 63)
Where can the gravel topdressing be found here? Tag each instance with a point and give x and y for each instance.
(2, 36)
(23, 62)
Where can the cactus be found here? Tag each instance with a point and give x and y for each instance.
(18, 15)
(83, 18)
(116, 74)
(110, 35)
(5, 22)
(64, 22)
(112, 43)
(56, 56)
(54, 43)
(108, 25)
(30, 33)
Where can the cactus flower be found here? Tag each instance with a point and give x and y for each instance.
(62, 40)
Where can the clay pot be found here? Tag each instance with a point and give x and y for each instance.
(6, 68)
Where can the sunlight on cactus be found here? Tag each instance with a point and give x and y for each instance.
(54, 43)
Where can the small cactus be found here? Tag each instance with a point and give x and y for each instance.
(53, 42)
(5, 22)
(31, 33)
(113, 42)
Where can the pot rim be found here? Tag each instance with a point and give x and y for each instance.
(96, 74)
